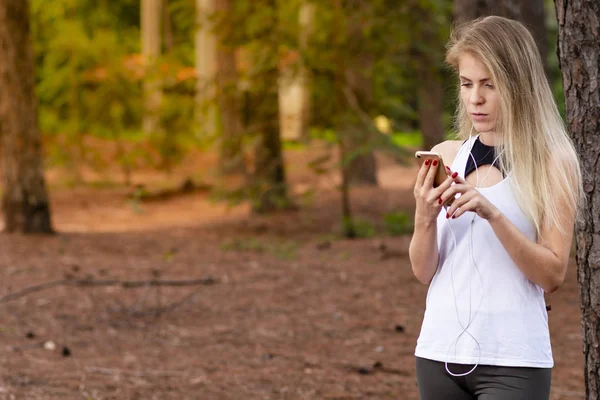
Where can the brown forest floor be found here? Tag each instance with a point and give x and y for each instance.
(294, 313)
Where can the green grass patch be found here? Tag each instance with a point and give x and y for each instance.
(244, 244)
(287, 250)
(282, 249)
(398, 223)
(362, 228)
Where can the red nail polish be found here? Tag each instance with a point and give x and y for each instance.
(427, 162)
(454, 175)
(448, 168)
(435, 163)
(447, 215)
(440, 201)
(454, 217)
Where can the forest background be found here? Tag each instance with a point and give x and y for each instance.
(208, 166)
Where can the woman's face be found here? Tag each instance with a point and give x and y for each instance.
(478, 93)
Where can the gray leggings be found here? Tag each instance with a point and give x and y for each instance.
(485, 383)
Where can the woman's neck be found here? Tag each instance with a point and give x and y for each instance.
(488, 138)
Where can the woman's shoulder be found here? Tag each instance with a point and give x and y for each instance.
(448, 150)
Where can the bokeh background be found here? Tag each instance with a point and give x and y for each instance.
(230, 184)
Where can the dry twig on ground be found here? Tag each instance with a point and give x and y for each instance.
(104, 282)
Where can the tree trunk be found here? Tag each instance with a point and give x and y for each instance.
(579, 57)
(167, 27)
(430, 93)
(306, 20)
(294, 83)
(533, 15)
(269, 170)
(467, 10)
(348, 223)
(529, 12)
(431, 107)
(230, 104)
(362, 168)
(206, 67)
(25, 200)
(151, 42)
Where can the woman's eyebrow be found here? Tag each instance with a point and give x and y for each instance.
(467, 79)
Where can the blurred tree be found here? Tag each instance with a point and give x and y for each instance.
(151, 49)
(428, 51)
(206, 67)
(228, 95)
(579, 57)
(260, 28)
(25, 201)
(307, 25)
(168, 37)
(294, 82)
(88, 80)
(358, 60)
(530, 12)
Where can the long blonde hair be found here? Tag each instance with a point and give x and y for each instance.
(533, 143)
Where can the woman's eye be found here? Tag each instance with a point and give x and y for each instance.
(489, 85)
(466, 84)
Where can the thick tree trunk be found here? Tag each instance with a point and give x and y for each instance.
(529, 12)
(270, 171)
(151, 15)
(25, 201)
(269, 174)
(230, 104)
(579, 56)
(206, 67)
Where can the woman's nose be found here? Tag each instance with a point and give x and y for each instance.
(476, 97)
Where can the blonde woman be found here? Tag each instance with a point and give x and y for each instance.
(491, 253)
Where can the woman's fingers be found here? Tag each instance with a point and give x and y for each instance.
(430, 177)
(468, 206)
(456, 177)
(438, 191)
(459, 204)
(422, 173)
(453, 190)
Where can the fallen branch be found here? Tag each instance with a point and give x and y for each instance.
(104, 282)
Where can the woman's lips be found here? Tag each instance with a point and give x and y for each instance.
(479, 117)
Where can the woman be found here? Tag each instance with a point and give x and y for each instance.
(491, 253)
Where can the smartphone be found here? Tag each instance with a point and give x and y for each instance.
(441, 174)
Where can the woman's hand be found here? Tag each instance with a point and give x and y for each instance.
(428, 203)
(470, 200)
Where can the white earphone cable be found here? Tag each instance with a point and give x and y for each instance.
(471, 317)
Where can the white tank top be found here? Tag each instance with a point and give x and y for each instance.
(508, 311)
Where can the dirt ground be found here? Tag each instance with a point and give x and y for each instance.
(285, 310)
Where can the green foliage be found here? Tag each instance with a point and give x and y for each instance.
(89, 83)
(362, 228)
(412, 139)
(398, 223)
(89, 75)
